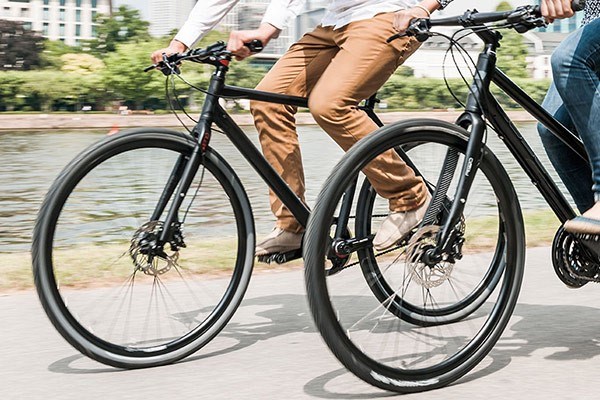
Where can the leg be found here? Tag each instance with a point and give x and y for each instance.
(575, 173)
(365, 61)
(363, 64)
(294, 74)
(575, 64)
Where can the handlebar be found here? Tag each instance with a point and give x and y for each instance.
(521, 19)
(212, 54)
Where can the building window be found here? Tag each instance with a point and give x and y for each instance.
(45, 28)
(94, 31)
(78, 3)
(62, 3)
(77, 15)
(27, 26)
(24, 12)
(94, 3)
(46, 2)
(61, 30)
(62, 14)
(46, 14)
(78, 30)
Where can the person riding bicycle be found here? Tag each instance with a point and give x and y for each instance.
(341, 62)
(574, 100)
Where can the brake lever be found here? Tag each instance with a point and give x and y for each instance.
(419, 28)
(166, 66)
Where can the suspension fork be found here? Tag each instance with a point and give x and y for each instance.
(468, 171)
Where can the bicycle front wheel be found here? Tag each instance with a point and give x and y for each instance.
(94, 277)
(396, 322)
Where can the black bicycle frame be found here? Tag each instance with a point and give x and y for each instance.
(186, 167)
(482, 102)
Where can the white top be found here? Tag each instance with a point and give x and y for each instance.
(207, 13)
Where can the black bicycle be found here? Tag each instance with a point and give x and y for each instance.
(144, 245)
(427, 311)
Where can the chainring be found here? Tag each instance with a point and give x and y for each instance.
(573, 263)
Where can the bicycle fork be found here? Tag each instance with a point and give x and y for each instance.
(447, 236)
(186, 167)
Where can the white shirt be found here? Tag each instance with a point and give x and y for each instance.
(207, 13)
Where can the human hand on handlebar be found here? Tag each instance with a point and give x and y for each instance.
(238, 39)
(174, 47)
(556, 9)
(422, 10)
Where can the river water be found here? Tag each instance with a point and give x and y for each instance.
(32, 160)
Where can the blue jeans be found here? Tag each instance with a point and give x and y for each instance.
(574, 100)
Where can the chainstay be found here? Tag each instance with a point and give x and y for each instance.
(376, 255)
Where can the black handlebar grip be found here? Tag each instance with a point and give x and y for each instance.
(255, 46)
(577, 5)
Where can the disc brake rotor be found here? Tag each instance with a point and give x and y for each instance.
(146, 256)
(421, 273)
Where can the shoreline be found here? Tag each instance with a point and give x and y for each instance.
(40, 121)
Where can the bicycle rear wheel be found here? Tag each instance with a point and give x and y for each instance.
(426, 326)
(90, 263)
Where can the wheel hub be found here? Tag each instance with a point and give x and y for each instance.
(425, 274)
(147, 255)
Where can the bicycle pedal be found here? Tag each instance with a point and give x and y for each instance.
(280, 258)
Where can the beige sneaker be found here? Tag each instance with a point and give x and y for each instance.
(279, 241)
(397, 225)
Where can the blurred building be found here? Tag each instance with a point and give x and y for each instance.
(168, 15)
(69, 21)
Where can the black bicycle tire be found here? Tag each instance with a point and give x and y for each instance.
(323, 313)
(61, 318)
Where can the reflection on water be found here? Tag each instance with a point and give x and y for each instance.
(31, 161)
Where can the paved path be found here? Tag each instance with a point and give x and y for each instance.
(270, 350)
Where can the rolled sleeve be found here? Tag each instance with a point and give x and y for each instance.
(280, 13)
(202, 19)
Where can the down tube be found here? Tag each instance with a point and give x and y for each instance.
(525, 156)
(262, 167)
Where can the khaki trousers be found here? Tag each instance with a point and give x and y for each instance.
(336, 70)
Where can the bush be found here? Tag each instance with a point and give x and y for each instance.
(402, 93)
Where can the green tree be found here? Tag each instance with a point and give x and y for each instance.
(123, 26)
(512, 54)
(124, 79)
(20, 48)
(82, 64)
(52, 52)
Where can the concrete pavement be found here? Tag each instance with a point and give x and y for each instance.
(271, 350)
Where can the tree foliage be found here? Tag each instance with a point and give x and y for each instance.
(512, 54)
(82, 64)
(125, 25)
(52, 52)
(19, 47)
